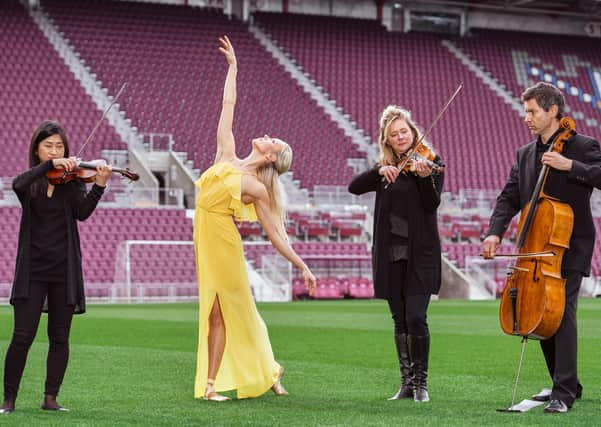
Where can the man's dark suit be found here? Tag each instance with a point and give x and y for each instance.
(573, 187)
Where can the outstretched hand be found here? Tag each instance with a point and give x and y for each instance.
(310, 280)
(228, 50)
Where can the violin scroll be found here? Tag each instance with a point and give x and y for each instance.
(569, 129)
(131, 175)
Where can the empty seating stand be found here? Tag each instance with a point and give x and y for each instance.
(36, 85)
(363, 68)
(100, 236)
(168, 55)
(565, 61)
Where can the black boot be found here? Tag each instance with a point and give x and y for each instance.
(402, 350)
(419, 348)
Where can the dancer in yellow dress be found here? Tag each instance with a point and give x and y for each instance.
(234, 352)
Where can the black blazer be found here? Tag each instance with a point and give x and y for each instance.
(79, 205)
(573, 187)
(422, 199)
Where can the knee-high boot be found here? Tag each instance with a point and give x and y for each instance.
(402, 350)
(419, 347)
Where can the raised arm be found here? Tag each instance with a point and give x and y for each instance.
(262, 206)
(226, 148)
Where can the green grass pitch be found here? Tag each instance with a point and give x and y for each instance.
(134, 365)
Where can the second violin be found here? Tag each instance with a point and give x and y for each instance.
(84, 172)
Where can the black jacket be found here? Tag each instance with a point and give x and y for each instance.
(422, 198)
(79, 205)
(574, 188)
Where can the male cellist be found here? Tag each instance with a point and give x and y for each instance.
(572, 176)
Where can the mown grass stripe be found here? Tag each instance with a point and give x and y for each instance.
(134, 365)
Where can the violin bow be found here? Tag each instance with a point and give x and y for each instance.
(410, 152)
(542, 254)
(434, 122)
(91, 135)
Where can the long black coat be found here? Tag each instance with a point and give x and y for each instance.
(79, 205)
(422, 199)
(573, 187)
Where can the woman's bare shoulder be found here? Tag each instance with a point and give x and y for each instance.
(253, 187)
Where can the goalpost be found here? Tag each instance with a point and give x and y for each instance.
(165, 271)
(154, 270)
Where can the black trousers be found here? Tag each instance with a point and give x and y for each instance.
(409, 312)
(561, 350)
(27, 317)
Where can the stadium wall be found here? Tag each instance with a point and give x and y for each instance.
(539, 24)
(570, 24)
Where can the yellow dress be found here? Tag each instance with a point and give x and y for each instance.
(248, 365)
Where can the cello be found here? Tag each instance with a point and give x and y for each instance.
(533, 301)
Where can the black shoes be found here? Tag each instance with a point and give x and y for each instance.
(54, 408)
(8, 406)
(545, 394)
(50, 404)
(556, 406)
(542, 396)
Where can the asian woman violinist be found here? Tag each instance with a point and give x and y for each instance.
(406, 248)
(48, 274)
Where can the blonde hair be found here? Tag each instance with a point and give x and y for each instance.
(389, 115)
(269, 175)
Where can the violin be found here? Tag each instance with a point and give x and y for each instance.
(424, 153)
(84, 172)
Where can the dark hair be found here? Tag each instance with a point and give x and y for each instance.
(45, 129)
(546, 95)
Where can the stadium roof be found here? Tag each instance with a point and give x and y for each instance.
(579, 8)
